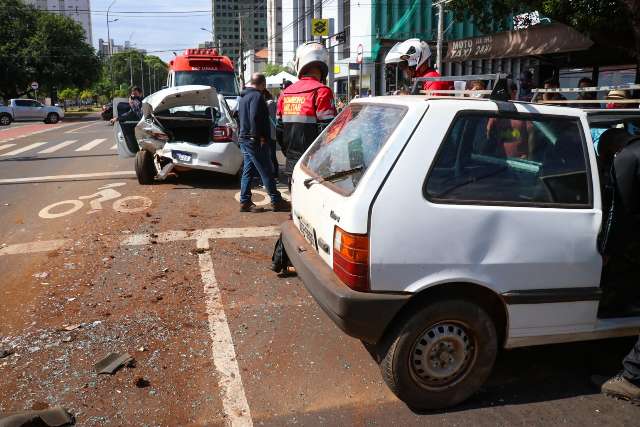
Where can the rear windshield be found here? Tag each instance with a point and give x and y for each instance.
(352, 141)
(224, 81)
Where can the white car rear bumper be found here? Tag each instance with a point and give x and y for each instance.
(222, 157)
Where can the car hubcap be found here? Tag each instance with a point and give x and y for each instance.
(442, 355)
(4, 120)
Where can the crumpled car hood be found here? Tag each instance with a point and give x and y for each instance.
(180, 96)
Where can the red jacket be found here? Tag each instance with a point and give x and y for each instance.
(434, 85)
(301, 107)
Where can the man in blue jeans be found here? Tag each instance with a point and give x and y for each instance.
(255, 131)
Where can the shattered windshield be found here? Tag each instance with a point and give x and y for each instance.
(351, 142)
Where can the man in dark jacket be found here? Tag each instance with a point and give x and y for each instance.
(623, 246)
(255, 131)
(130, 118)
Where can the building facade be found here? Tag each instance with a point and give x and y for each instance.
(103, 47)
(274, 31)
(226, 23)
(78, 10)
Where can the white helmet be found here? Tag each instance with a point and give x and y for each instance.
(311, 53)
(414, 51)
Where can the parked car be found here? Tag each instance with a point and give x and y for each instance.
(439, 231)
(29, 109)
(6, 115)
(184, 127)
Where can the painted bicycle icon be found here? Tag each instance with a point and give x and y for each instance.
(106, 193)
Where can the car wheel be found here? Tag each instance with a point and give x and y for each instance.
(52, 118)
(441, 355)
(145, 167)
(5, 120)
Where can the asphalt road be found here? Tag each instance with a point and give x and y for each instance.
(93, 263)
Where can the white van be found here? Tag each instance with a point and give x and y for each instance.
(441, 230)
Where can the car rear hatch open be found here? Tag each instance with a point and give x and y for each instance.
(178, 114)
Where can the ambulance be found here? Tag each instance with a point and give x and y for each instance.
(205, 67)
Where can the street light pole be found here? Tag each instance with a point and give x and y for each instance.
(142, 73)
(213, 40)
(440, 6)
(241, 59)
(108, 32)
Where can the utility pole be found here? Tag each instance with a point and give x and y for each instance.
(149, 75)
(109, 40)
(440, 5)
(241, 60)
(142, 73)
(130, 71)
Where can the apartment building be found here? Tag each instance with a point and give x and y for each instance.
(226, 17)
(78, 10)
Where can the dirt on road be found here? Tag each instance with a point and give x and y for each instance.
(185, 288)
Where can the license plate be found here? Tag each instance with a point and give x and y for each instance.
(308, 232)
(181, 156)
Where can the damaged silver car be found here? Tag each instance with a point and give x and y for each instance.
(185, 127)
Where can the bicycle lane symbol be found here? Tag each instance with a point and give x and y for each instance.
(128, 204)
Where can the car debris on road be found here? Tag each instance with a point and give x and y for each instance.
(113, 362)
(52, 417)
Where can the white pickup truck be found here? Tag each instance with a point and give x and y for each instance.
(439, 230)
(29, 109)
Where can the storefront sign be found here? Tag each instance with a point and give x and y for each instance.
(536, 40)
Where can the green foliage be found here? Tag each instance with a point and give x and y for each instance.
(273, 69)
(125, 68)
(68, 94)
(43, 47)
(611, 23)
(87, 95)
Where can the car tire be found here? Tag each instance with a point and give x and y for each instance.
(145, 168)
(52, 118)
(440, 355)
(5, 120)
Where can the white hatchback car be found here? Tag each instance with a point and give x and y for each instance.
(441, 230)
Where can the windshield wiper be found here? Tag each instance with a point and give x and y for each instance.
(340, 174)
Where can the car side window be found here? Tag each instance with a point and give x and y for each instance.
(21, 103)
(513, 160)
(35, 104)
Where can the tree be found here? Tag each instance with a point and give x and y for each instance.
(87, 95)
(273, 69)
(43, 47)
(614, 24)
(67, 94)
(126, 68)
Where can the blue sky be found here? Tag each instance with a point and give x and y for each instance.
(153, 32)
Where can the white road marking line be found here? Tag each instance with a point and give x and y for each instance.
(49, 129)
(23, 149)
(198, 235)
(234, 399)
(5, 146)
(114, 147)
(81, 127)
(34, 247)
(58, 147)
(91, 145)
(66, 177)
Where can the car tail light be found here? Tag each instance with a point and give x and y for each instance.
(222, 134)
(351, 259)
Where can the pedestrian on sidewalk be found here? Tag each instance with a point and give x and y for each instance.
(254, 143)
